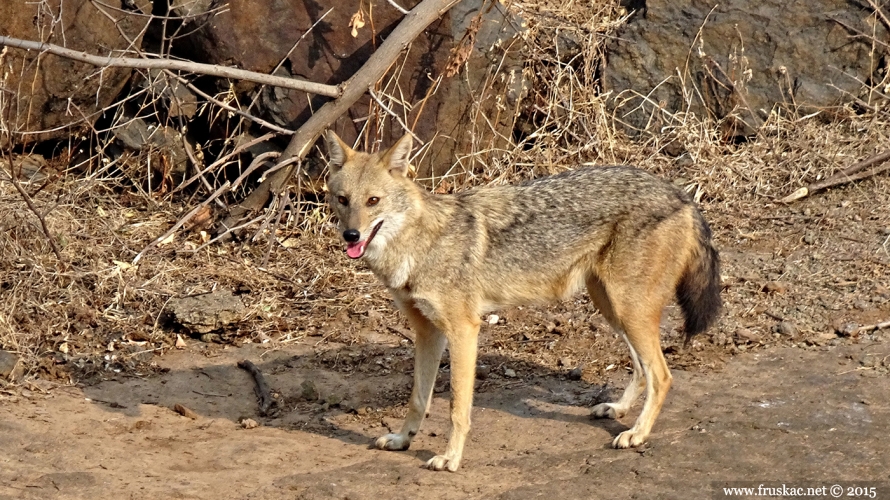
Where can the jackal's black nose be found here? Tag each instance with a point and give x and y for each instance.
(351, 235)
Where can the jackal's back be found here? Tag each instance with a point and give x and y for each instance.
(551, 216)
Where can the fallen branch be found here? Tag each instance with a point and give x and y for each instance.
(850, 174)
(304, 138)
(189, 66)
(871, 328)
(262, 388)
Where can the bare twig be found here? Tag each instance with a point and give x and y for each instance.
(244, 114)
(193, 67)
(870, 328)
(397, 6)
(11, 176)
(393, 114)
(182, 221)
(850, 174)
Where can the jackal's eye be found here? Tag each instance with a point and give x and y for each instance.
(343, 200)
(373, 201)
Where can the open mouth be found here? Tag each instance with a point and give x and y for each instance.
(357, 249)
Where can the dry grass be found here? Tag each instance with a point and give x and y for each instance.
(95, 311)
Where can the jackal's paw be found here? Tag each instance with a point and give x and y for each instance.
(606, 410)
(395, 442)
(442, 462)
(629, 439)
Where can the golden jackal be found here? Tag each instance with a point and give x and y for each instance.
(632, 239)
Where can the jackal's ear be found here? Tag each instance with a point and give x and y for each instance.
(396, 157)
(338, 151)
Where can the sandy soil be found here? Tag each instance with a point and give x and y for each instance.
(783, 414)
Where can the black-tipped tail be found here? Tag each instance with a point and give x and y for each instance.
(698, 291)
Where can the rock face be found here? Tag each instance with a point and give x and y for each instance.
(742, 58)
(49, 91)
(257, 35)
(207, 312)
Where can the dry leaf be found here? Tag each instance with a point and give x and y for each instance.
(184, 411)
(122, 265)
(356, 22)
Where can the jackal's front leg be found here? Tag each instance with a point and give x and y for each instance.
(463, 340)
(429, 344)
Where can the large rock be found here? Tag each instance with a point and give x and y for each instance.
(744, 56)
(51, 92)
(257, 35)
(207, 312)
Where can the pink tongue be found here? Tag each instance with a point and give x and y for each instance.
(356, 250)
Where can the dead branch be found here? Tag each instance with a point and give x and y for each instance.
(377, 65)
(853, 173)
(262, 388)
(871, 328)
(189, 66)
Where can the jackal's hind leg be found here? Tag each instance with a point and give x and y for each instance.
(632, 392)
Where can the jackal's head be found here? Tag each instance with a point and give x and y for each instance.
(370, 193)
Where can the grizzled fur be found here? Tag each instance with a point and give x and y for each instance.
(632, 240)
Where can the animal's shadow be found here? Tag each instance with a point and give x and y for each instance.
(371, 382)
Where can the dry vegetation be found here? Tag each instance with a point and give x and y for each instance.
(93, 310)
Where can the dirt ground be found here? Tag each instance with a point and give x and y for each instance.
(778, 415)
(777, 392)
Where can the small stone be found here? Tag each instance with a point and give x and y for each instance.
(786, 328)
(847, 329)
(861, 305)
(10, 368)
(509, 373)
(576, 373)
(249, 423)
(493, 319)
(551, 327)
(482, 371)
(775, 287)
(334, 399)
(809, 239)
(869, 360)
(885, 231)
(309, 391)
(211, 338)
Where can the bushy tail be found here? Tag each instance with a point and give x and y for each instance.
(698, 291)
